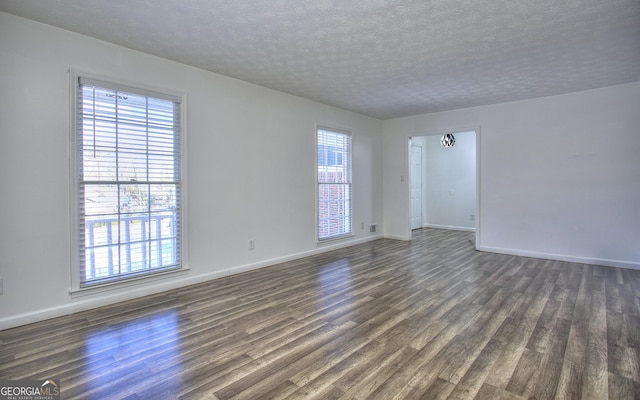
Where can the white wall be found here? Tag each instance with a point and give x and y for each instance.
(559, 175)
(450, 182)
(251, 154)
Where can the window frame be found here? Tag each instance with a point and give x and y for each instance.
(347, 132)
(77, 286)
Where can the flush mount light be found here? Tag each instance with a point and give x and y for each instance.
(447, 140)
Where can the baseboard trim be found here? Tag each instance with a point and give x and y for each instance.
(103, 298)
(452, 228)
(563, 257)
(322, 248)
(397, 237)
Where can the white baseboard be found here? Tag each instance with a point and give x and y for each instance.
(563, 257)
(145, 288)
(104, 297)
(322, 248)
(397, 237)
(452, 228)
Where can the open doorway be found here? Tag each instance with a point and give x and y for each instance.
(443, 175)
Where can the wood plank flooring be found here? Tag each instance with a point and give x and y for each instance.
(426, 319)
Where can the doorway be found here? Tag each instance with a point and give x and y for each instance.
(444, 187)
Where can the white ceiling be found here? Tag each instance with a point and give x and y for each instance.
(382, 58)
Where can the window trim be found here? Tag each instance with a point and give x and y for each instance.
(76, 286)
(348, 132)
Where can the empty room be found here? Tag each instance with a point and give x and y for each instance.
(326, 199)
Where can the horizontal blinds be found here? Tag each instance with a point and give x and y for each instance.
(129, 181)
(128, 89)
(334, 175)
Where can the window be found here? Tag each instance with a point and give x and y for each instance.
(128, 184)
(334, 184)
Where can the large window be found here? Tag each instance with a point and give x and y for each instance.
(334, 184)
(128, 181)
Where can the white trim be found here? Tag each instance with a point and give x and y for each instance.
(74, 218)
(296, 256)
(451, 228)
(410, 182)
(74, 75)
(398, 237)
(348, 132)
(332, 127)
(160, 285)
(476, 129)
(113, 84)
(138, 280)
(478, 183)
(562, 257)
(331, 239)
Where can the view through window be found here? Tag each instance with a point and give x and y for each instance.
(129, 182)
(334, 184)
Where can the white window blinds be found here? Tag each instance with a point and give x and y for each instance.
(128, 180)
(334, 200)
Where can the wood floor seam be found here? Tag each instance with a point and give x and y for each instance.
(427, 319)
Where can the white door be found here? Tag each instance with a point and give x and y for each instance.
(416, 186)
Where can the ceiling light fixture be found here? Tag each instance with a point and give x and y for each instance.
(447, 140)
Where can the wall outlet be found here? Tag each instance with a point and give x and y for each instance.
(472, 217)
(252, 244)
(372, 228)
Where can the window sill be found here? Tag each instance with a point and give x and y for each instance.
(320, 242)
(134, 281)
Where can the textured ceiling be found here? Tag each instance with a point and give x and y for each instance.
(381, 58)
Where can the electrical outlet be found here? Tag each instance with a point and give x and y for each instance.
(472, 217)
(372, 228)
(252, 244)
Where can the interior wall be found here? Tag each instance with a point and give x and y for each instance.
(559, 176)
(450, 182)
(250, 173)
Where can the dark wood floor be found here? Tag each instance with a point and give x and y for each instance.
(426, 319)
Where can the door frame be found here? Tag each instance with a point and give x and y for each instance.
(440, 132)
(413, 144)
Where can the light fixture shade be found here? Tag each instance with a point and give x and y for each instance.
(447, 140)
